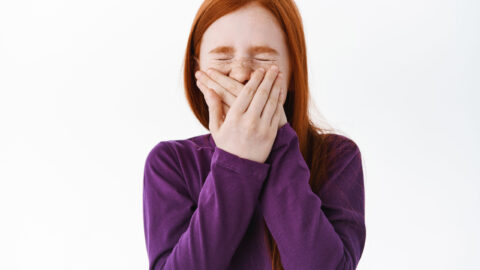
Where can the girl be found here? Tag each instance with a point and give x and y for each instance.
(266, 189)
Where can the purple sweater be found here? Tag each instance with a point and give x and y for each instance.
(204, 207)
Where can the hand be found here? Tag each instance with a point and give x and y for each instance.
(250, 126)
(228, 89)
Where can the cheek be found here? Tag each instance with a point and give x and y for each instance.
(265, 65)
(285, 69)
(221, 67)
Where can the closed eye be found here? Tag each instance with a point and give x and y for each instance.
(257, 59)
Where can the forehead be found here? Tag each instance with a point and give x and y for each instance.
(249, 25)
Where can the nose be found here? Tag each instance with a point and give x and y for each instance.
(241, 71)
(242, 75)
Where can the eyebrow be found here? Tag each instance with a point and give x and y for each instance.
(253, 50)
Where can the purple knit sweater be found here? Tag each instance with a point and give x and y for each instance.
(204, 208)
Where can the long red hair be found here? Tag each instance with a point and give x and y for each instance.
(296, 104)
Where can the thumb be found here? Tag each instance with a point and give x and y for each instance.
(214, 109)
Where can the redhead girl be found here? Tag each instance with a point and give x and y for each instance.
(266, 188)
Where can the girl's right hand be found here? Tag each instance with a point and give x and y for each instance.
(250, 126)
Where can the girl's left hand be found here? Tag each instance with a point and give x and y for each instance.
(228, 89)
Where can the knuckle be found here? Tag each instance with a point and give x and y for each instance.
(249, 90)
(272, 102)
(237, 85)
(263, 92)
(238, 89)
(228, 85)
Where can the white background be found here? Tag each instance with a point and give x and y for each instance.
(87, 88)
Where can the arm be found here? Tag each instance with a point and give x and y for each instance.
(178, 236)
(325, 231)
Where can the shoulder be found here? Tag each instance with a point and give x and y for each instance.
(161, 151)
(171, 148)
(343, 152)
(161, 162)
(179, 157)
(341, 143)
(344, 172)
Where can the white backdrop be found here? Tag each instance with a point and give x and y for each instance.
(87, 88)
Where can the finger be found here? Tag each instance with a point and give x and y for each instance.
(248, 91)
(278, 111)
(263, 92)
(204, 88)
(215, 112)
(232, 85)
(273, 100)
(224, 93)
(226, 108)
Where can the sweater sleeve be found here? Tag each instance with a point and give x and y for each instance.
(324, 231)
(181, 235)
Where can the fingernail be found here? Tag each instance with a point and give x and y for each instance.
(274, 67)
(261, 70)
(197, 74)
